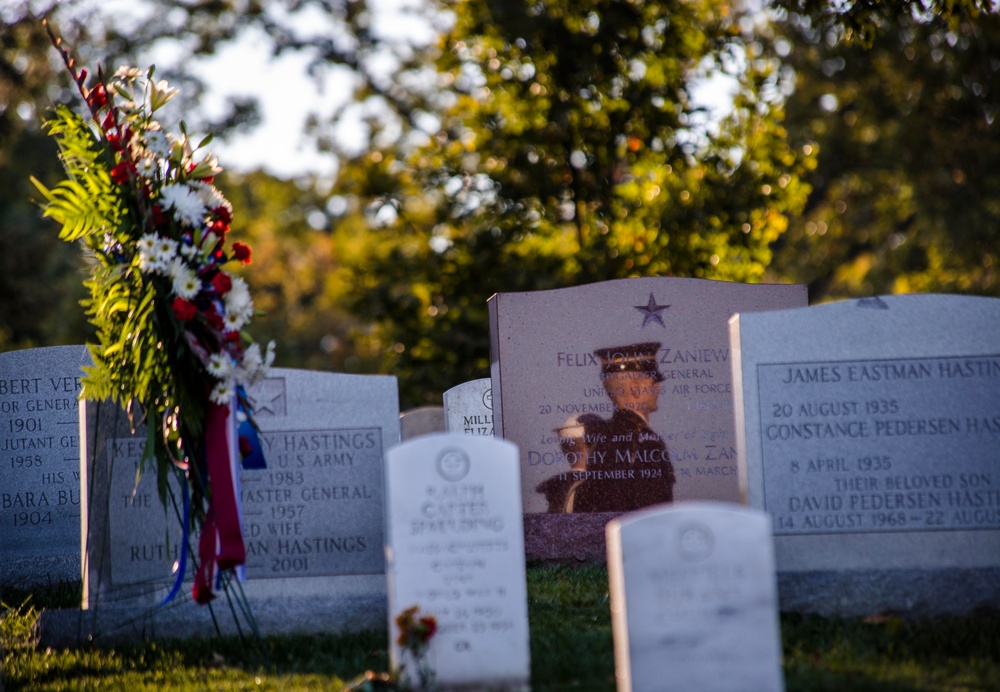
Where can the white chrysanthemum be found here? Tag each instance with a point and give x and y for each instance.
(211, 196)
(222, 393)
(186, 283)
(187, 206)
(219, 366)
(157, 141)
(238, 299)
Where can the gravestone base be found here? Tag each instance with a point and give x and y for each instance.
(570, 539)
(910, 593)
(182, 619)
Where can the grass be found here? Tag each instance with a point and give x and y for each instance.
(571, 649)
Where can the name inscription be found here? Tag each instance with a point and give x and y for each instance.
(40, 455)
(314, 511)
(881, 445)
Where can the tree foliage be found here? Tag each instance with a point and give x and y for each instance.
(905, 194)
(548, 143)
(574, 151)
(39, 275)
(861, 21)
(298, 273)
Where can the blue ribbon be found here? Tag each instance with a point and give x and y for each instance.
(182, 561)
(255, 459)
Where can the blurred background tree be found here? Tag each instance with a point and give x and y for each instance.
(545, 144)
(40, 279)
(573, 150)
(906, 192)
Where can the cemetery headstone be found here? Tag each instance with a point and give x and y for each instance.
(456, 551)
(871, 430)
(423, 420)
(468, 408)
(40, 465)
(618, 395)
(313, 519)
(694, 602)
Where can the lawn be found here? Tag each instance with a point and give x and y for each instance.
(571, 649)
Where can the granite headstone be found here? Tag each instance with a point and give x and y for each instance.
(871, 434)
(618, 395)
(313, 521)
(456, 551)
(40, 465)
(468, 408)
(694, 603)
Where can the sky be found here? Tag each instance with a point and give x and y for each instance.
(286, 94)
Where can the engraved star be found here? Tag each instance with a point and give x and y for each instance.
(652, 311)
(269, 400)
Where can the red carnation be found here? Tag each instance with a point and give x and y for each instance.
(213, 318)
(184, 309)
(222, 283)
(159, 218)
(241, 252)
(122, 172)
(219, 227)
(430, 626)
(97, 97)
(223, 214)
(233, 337)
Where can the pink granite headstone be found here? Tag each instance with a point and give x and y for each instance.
(619, 396)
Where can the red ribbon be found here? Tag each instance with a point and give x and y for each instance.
(222, 534)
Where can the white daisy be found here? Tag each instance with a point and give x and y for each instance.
(127, 72)
(222, 393)
(164, 251)
(147, 243)
(219, 366)
(186, 283)
(233, 321)
(147, 166)
(156, 140)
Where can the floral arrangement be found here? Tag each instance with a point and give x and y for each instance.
(415, 634)
(170, 319)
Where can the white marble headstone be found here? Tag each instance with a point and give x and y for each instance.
(40, 465)
(694, 600)
(423, 420)
(870, 431)
(456, 551)
(468, 408)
